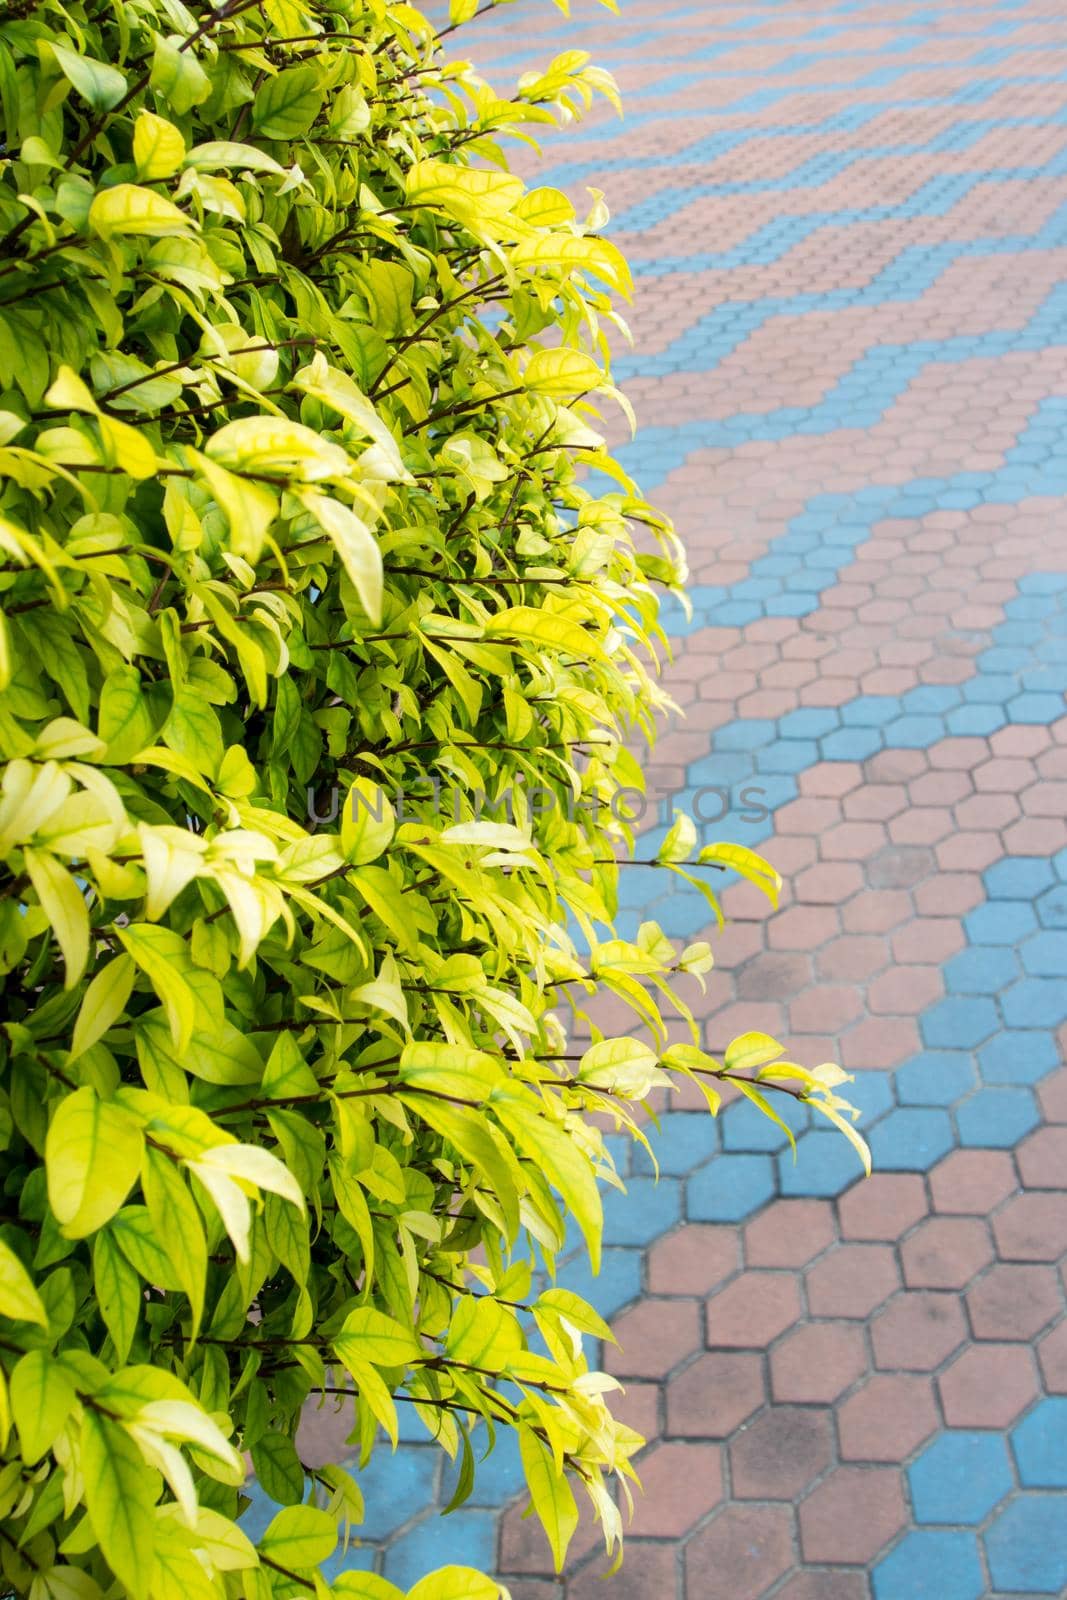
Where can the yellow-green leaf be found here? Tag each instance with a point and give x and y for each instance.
(64, 905)
(550, 1494)
(19, 1299)
(128, 209)
(92, 1157)
(158, 147)
(104, 1002)
(119, 1495)
(299, 1536)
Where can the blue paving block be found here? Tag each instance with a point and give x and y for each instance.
(1002, 922)
(996, 1119)
(872, 1093)
(958, 1023)
(1035, 1003)
(826, 1165)
(498, 1476)
(938, 1565)
(1051, 907)
(1039, 1443)
(647, 1209)
(730, 1187)
(910, 1139)
(1036, 708)
(1018, 1056)
(1018, 878)
(935, 1078)
(397, 1483)
(851, 744)
(466, 1539)
(984, 969)
(357, 1558)
(617, 1283)
(745, 1127)
(683, 1140)
(960, 1477)
(1045, 955)
(1026, 1546)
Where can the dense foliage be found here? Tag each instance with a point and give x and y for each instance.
(298, 384)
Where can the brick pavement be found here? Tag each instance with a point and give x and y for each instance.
(849, 223)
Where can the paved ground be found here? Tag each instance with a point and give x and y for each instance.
(850, 226)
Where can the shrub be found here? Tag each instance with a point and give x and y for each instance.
(298, 386)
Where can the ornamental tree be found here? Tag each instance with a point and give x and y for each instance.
(319, 656)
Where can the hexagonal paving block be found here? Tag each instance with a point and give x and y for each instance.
(1018, 1056)
(1052, 1354)
(960, 1477)
(926, 1562)
(887, 1418)
(1032, 1227)
(972, 1182)
(852, 1515)
(917, 1331)
(945, 1253)
(882, 1207)
(824, 1583)
(936, 1077)
(1039, 1443)
(729, 1190)
(960, 1023)
(715, 1394)
(692, 1259)
(742, 1552)
(997, 1118)
(910, 1139)
(682, 1484)
(851, 1280)
(817, 1362)
(988, 1386)
(1026, 1547)
(789, 1233)
(655, 1336)
(753, 1310)
(1042, 1159)
(650, 1569)
(1014, 1302)
(778, 1454)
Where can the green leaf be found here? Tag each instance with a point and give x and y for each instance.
(118, 1292)
(300, 1537)
(119, 1496)
(42, 1398)
(370, 1335)
(177, 1220)
(102, 86)
(92, 1157)
(287, 105)
(563, 1164)
(277, 1466)
(125, 723)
